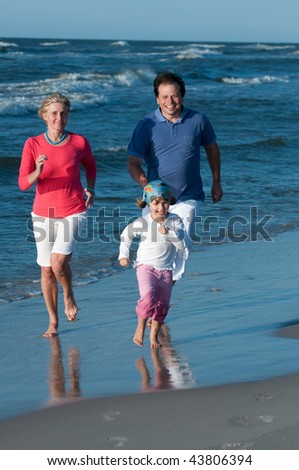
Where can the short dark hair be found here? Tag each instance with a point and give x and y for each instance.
(167, 78)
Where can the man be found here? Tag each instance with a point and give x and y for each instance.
(168, 141)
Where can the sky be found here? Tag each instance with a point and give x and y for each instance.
(161, 20)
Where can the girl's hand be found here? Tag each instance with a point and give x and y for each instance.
(124, 262)
(163, 230)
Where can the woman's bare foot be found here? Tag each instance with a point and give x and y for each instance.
(51, 331)
(71, 309)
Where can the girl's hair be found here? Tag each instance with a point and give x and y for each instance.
(55, 98)
(142, 204)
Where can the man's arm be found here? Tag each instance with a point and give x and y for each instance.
(136, 171)
(213, 155)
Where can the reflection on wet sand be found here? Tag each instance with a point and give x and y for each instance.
(170, 370)
(58, 392)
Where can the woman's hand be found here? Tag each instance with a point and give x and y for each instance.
(90, 197)
(39, 163)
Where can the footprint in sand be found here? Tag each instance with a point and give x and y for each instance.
(263, 397)
(117, 441)
(237, 445)
(266, 419)
(110, 415)
(250, 421)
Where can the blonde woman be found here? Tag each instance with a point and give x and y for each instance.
(52, 161)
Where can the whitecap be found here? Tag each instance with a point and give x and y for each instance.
(127, 78)
(209, 46)
(83, 89)
(191, 53)
(30, 294)
(120, 43)
(88, 281)
(253, 80)
(196, 52)
(54, 43)
(7, 44)
(271, 47)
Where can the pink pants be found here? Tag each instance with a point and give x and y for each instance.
(155, 288)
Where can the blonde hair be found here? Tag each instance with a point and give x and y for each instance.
(55, 98)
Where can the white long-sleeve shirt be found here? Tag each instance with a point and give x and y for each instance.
(157, 250)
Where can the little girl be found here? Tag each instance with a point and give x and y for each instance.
(161, 250)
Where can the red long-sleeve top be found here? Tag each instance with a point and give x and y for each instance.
(59, 192)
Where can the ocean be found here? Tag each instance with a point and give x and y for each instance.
(248, 90)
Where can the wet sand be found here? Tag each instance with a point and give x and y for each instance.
(260, 415)
(225, 377)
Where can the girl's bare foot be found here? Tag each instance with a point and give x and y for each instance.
(138, 337)
(139, 333)
(155, 343)
(155, 328)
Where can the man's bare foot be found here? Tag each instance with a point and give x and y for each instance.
(71, 309)
(51, 332)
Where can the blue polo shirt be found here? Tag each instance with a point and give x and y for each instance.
(172, 151)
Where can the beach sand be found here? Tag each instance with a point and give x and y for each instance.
(261, 415)
(225, 378)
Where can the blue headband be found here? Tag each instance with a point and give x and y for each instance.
(157, 189)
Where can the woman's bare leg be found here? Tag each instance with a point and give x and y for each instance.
(62, 270)
(50, 293)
